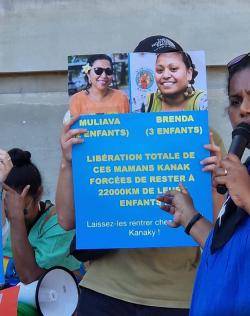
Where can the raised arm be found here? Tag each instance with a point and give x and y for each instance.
(23, 254)
(64, 192)
(5, 167)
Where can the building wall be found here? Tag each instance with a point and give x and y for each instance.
(36, 36)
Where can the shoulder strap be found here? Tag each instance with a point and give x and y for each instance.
(195, 99)
(48, 205)
(150, 102)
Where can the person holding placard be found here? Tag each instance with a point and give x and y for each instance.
(128, 281)
(222, 281)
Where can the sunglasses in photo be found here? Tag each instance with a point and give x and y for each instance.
(237, 60)
(99, 71)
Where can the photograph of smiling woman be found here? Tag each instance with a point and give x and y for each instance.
(98, 95)
(175, 75)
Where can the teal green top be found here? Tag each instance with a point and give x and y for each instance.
(50, 243)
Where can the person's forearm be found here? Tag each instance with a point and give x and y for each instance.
(64, 196)
(2, 213)
(23, 254)
(200, 231)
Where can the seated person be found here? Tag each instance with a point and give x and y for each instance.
(36, 241)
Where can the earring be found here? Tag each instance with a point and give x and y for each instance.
(160, 96)
(189, 91)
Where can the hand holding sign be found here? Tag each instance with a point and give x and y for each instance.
(69, 137)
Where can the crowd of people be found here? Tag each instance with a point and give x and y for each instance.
(155, 281)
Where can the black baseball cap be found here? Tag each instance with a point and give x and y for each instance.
(158, 44)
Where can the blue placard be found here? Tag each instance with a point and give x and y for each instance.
(125, 162)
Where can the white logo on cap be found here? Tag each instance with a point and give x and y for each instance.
(163, 42)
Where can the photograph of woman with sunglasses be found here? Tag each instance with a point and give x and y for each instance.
(98, 96)
(223, 278)
(175, 76)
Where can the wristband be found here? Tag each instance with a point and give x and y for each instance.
(193, 220)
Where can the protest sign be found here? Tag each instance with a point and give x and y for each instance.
(125, 162)
(129, 159)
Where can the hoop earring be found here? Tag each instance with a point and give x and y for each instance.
(160, 95)
(189, 91)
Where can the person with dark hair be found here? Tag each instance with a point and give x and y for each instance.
(36, 241)
(155, 281)
(223, 278)
(175, 76)
(98, 96)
